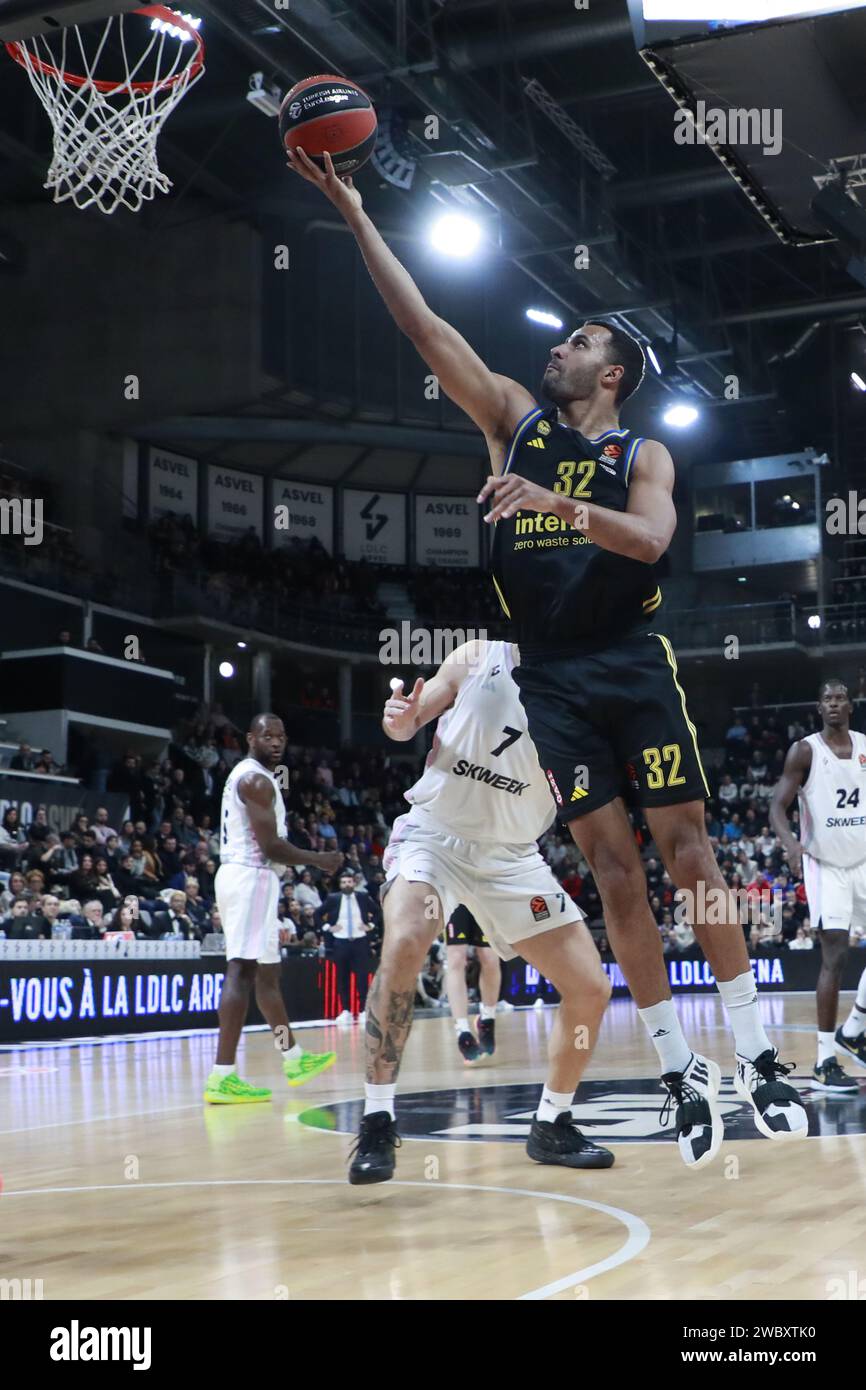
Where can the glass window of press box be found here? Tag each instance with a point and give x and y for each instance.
(723, 508)
(787, 503)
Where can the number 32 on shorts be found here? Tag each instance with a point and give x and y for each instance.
(661, 761)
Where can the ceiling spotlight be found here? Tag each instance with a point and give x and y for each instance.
(680, 416)
(858, 381)
(226, 670)
(814, 620)
(455, 235)
(243, 646)
(541, 316)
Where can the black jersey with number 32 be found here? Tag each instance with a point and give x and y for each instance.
(559, 589)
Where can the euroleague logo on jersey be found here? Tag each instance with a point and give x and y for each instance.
(539, 909)
(612, 451)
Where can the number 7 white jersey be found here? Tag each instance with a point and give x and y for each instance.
(482, 780)
(833, 804)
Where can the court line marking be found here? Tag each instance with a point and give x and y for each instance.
(638, 1237)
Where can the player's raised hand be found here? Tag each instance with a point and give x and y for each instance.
(341, 192)
(400, 716)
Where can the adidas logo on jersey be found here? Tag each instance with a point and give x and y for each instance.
(536, 443)
(488, 684)
(578, 793)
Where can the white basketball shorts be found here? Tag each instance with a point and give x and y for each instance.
(837, 897)
(247, 900)
(509, 889)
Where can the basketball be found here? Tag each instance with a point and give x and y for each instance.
(329, 113)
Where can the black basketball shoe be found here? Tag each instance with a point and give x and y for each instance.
(469, 1049)
(855, 1046)
(487, 1035)
(778, 1110)
(697, 1120)
(829, 1076)
(373, 1154)
(560, 1141)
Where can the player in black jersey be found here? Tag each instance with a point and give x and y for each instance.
(583, 513)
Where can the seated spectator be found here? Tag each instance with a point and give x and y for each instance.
(682, 936)
(83, 882)
(39, 830)
(13, 841)
(16, 888)
(35, 881)
(306, 892)
(47, 916)
(24, 760)
(101, 829)
(106, 890)
(93, 928)
(124, 918)
(16, 924)
(802, 941)
(126, 837)
(727, 790)
(196, 910)
(174, 920)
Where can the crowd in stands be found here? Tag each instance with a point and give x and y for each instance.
(154, 872)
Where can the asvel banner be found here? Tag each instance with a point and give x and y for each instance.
(234, 503)
(374, 526)
(446, 531)
(172, 487)
(301, 511)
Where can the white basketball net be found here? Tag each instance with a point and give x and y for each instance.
(106, 127)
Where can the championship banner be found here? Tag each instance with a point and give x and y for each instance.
(62, 799)
(172, 488)
(301, 511)
(446, 531)
(234, 503)
(374, 526)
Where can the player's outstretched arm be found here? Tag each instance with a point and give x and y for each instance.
(798, 764)
(495, 403)
(404, 715)
(257, 794)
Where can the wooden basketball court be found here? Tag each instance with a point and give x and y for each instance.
(118, 1182)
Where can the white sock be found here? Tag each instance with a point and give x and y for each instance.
(461, 1025)
(855, 1023)
(379, 1098)
(296, 1051)
(488, 1011)
(553, 1103)
(666, 1036)
(826, 1047)
(220, 1069)
(740, 998)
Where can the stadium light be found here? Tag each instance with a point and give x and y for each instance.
(163, 27)
(858, 381)
(680, 416)
(540, 316)
(226, 670)
(455, 235)
(243, 646)
(814, 620)
(651, 354)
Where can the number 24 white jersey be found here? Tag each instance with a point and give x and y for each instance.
(833, 804)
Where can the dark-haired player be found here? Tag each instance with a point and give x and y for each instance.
(253, 849)
(584, 511)
(827, 771)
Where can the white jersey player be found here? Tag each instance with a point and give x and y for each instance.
(827, 772)
(470, 837)
(253, 852)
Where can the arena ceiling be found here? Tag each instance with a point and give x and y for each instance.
(555, 126)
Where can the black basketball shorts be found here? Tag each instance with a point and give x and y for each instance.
(463, 930)
(612, 722)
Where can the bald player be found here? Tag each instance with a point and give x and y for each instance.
(253, 856)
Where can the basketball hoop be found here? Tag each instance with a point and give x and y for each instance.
(106, 130)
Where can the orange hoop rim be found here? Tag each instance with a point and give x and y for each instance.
(17, 50)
